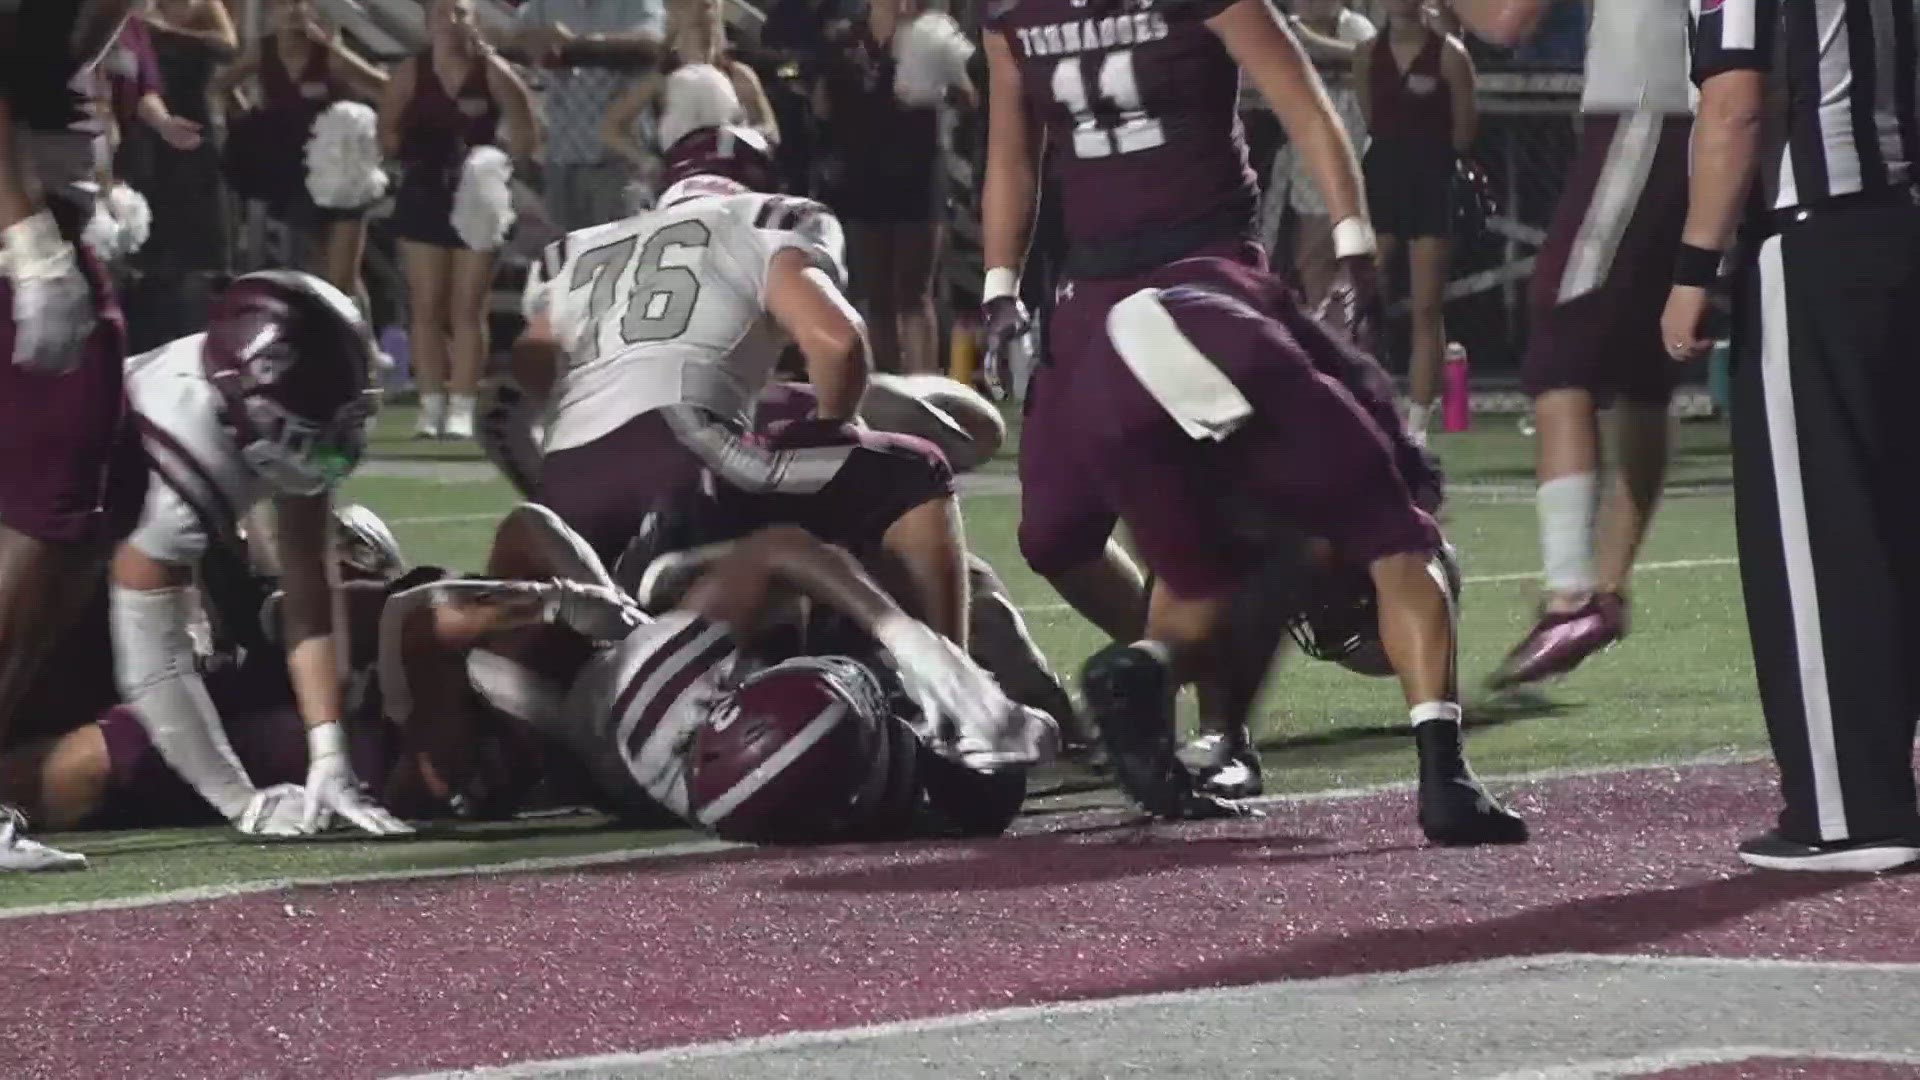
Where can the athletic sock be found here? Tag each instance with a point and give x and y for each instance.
(1427, 711)
(459, 416)
(1567, 508)
(433, 414)
(1417, 417)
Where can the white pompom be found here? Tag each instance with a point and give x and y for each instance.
(102, 234)
(344, 162)
(483, 202)
(135, 217)
(931, 58)
(697, 96)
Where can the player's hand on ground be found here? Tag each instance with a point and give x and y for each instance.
(332, 790)
(53, 305)
(595, 611)
(1004, 324)
(1353, 305)
(276, 811)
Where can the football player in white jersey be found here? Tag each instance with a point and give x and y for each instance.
(271, 402)
(1598, 291)
(658, 332)
(691, 711)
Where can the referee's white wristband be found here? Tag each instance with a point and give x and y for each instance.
(1353, 236)
(1000, 281)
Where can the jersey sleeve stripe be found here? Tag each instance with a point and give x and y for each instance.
(701, 658)
(192, 481)
(753, 468)
(662, 654)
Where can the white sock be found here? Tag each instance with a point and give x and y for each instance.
(1417, 417)
(1567, 509)
(460, 412)
(433, 413)
(1434, 710)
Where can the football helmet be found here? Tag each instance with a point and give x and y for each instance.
(800, 751)
(739, 154)
(1341, 620)
(364, 545)
(291, 359)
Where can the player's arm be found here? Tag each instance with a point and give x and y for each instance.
(739, 585)
(152, 606)
(824, 325)
(225, 84)
(366, 78)
(1322, 47)
(1456, 67)
(516, 105)
(314, 625)
(1500, 22)
(1008, 194)
(1279, 68)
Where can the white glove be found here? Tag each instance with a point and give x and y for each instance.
(53, 311)
(964, 713)
(277, 811)
(595, 611)
(332, 789)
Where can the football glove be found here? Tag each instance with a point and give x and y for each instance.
(332, 789)
(277, 811)
(597, 612)
(1353, 304)
(1004, 324)
(964, 715)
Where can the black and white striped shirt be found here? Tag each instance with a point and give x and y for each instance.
(1846, 77)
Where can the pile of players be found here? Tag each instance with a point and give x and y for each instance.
(731, 601)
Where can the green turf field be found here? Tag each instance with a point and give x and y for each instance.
(1680, 687)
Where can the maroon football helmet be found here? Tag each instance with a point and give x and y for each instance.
(802, 751)
(290, 357)
(740, 154)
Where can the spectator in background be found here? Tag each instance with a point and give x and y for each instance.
(883, 177)
(583, 184)
(1332, 33)
(285, 80)
(696, 34)
(1416, 91)
(441, 104)
(189, 240)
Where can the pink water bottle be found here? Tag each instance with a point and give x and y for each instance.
(1456, 407)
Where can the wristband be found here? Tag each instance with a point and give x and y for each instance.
(1000, 281)
(1697, 267)
(1353, 237)
(325, 741)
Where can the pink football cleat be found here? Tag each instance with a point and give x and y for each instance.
(1561, 640)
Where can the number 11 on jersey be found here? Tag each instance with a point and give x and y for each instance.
(1112, 119)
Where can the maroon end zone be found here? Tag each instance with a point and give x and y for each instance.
(379, 978)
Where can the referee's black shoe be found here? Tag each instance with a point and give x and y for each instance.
(1129, 693)
(1455, 809)
(1772, 851)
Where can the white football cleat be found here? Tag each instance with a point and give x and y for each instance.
(459, 417)
(24, 855)
(432, 421)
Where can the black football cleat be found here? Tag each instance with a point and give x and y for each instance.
(1129, 695)
(1455, 810)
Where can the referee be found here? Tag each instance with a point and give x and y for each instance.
(1815, 99)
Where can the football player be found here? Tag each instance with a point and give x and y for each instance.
(1137, 422)
(1594, 330)
(70, 468)
(270, 403)
(710, 711)
(662, 329)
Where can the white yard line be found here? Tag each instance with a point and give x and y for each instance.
(702, 847)
(1479, 971)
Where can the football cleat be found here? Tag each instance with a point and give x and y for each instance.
(1562, 641)
(1455, 809)
(1130, 696)
(18, 853)
(1229, 768)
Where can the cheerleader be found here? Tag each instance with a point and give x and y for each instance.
(696, 34)
(295, 75)
(441, 115)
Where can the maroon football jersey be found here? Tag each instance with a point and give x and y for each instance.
(1140, 104)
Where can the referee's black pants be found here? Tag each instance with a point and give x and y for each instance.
(1827, 480)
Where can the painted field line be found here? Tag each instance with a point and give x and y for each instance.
(446, 519)
(1695, 1057)
(1485, 579)
(677, 849)
(1481, 970)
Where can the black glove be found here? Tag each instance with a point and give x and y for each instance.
(1352, 305)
